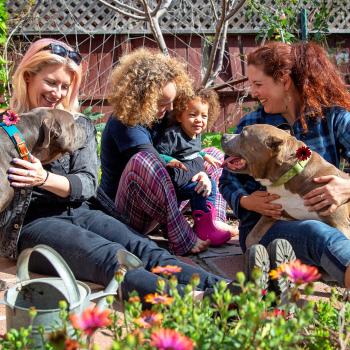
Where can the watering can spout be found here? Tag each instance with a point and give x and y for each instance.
(127, 262)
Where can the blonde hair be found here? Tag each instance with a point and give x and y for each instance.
(137, 83)
(205, 96)
(33, 62)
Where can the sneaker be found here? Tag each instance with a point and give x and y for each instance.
(280, 252)
(257, 256)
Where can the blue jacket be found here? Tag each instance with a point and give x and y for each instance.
(328, 136)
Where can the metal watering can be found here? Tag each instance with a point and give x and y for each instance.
(45, 293)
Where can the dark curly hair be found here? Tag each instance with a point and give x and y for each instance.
(206, 96)
(315, 77)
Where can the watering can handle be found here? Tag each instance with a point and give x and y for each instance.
(57, 262)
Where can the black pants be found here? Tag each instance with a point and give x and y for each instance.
(88, 241)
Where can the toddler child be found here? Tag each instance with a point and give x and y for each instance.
(180, 148)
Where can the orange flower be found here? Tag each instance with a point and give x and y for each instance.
(166, 270)
(91, 319)
(148, 319)
(134, 299)
(296, 272)
(169, 339)
(71, 344)
(158, 299)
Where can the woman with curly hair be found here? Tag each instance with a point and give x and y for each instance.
(143, 87)
(299, 89)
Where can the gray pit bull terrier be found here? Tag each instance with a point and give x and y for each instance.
(268, 154)
(48, 133)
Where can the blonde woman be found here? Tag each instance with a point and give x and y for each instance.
(62, 210)
(143, 87)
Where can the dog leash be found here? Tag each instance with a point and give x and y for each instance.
(17, 139)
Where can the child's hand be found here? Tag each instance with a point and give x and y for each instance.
(174, 163)
(204, 184)
(212, 161)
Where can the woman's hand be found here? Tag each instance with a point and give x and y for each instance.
(174, 163)
(204, 184)
(26, 174)
(326, 199)
(260, 202)
(216, 163)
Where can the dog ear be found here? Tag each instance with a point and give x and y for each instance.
(51, 129)
(274, 143)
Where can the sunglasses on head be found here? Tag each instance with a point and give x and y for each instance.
(60, 50)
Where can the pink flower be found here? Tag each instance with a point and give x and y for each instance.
(278, 312)
(158, 299)
(10, 118)
(169, 339)
(91, 319)
(283, 16)
(148, 319)
(296, 272)
(274, 313)
(166, 270)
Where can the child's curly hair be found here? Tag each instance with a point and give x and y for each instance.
(206, 96)
(137, 83)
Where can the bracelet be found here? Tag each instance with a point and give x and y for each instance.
(43, 183)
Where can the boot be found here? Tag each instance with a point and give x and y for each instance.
(205, 228)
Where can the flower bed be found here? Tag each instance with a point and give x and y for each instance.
(254, 319)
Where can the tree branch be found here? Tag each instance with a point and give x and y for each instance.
(163, 8)
(155, 28)
(128, 14)
(219, 61)
(219, 29)
(214, 10)
(156, 9)
(235, 9)
(127, 7)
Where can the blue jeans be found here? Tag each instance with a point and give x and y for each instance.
(314, 243)
(197, 201)
(88, 241)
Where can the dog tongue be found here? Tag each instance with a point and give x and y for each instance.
(235, 162)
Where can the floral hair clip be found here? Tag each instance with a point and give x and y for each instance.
(303, 153)
(10, 118)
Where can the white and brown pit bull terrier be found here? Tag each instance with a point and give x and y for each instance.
(268, 154)
(48, 133)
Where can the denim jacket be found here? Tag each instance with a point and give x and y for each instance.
(80, 168)
(328, 136)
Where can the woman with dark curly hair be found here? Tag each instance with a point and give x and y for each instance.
(143, 87)
(299, 89)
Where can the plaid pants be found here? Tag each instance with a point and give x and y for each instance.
(147, 196)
